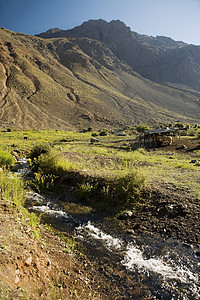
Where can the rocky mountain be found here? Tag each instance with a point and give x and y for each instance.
(159, 59)
(99, 74)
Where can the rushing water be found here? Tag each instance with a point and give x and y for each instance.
(176, 270)
(171, 270)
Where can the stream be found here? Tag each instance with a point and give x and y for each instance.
(166, 269)
(158, 269)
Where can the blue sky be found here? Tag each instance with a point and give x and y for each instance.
(178, 19)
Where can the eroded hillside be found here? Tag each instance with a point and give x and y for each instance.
(70, 83)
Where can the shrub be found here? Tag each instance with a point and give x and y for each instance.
(46, 163)
(128, 188)
(52, 163)
(115, 193)
(39, 149)
(94, 134)
(6, 158)
(142, 128)
(43, 182)
(103, 132)
(90, 129)
(85, 190)
(12, 187)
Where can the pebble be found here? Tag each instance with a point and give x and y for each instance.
(28, 261)
(17, 279)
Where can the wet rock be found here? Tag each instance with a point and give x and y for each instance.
(188, 245)
(125, 215)
(136, 226)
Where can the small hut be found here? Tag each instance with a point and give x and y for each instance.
(158, 137)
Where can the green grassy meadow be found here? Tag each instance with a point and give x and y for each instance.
(109, 168)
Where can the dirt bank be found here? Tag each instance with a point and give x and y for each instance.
(169, 213)
(41, 268)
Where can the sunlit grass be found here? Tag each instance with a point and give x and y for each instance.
(13, 192)
(74, 152)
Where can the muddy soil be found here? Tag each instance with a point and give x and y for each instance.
(169, 214)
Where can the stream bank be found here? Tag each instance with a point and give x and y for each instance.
(134, 260)
(139, 263)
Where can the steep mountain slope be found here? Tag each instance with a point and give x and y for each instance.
(159, 59)
(70, 83)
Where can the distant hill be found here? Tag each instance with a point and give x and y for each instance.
(99, 74)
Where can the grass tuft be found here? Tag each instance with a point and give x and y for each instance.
(6, 159)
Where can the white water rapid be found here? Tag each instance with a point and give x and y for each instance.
(135, 261)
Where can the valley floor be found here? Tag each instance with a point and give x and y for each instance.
(54, 266)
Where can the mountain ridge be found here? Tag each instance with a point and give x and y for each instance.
(75, 82)
(143, 53)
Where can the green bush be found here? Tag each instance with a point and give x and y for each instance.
(128, 188)
(12, 187)
(6, 159)
(39, 149)
(90, 129)
(43, 182)
(103, 132)
(46, 163)
(94, 134)
(116, 193)
(142, 128)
